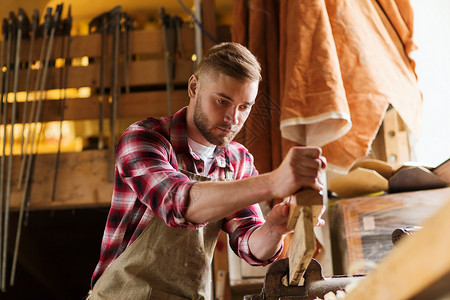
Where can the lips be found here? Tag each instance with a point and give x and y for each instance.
(226, 130)
(225, 127)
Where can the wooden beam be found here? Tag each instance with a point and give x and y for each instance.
(133, 105)
(142, 42)
(141, 73)
(417, 262)
(82, 181)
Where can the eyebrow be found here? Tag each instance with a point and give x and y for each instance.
(231, 99)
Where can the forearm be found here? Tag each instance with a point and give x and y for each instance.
(212, 201)
(264, 242)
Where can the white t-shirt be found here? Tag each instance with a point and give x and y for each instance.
(205, 153)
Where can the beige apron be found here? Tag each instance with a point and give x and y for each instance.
(163, 263)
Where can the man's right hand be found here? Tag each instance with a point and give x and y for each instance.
(302, 167)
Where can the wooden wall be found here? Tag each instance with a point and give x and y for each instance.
(83, 178)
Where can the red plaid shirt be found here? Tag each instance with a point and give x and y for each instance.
(148, 185)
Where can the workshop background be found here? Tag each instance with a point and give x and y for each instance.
(366, 80)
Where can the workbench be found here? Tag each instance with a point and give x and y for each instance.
(362, 226)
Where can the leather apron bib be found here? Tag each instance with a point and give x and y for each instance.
(163, 263)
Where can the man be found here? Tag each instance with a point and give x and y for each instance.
(180, 180)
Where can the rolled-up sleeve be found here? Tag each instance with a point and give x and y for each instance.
(239, 227)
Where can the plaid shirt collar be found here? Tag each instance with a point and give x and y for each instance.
(179, 139)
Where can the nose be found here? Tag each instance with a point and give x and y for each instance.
(232, 116)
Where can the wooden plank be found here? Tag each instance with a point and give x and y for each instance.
(415, 264)
(395, 138)
(150, 41)
(305, 197)
(82, 181)
(133, 105)
(303, 213)
(302, 245)
(141, 73)
(221, 270)
(142, 42)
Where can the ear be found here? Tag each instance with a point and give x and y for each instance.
(192, 86)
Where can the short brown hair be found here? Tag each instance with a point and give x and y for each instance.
(231, 59)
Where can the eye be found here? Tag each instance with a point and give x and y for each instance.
(222, 101)
(245, 107)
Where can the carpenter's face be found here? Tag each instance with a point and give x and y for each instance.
(221, 107)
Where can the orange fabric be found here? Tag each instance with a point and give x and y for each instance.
(341, 63)
(313, 100)
(376, 71)
(401, 15)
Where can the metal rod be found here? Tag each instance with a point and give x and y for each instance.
(67, 39)
(4, 102)
(34, 27)
(178, 22)
(20, 24)
(2, 62)
(5, 121)
(126, 48)
(53, 26)
(198, 35)
(104, 33)
(167, 58)
(31, 120)
(115, 88)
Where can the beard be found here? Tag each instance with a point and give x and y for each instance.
(203, 125)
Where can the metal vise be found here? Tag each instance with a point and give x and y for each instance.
(315, 285)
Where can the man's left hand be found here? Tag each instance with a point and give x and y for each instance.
(278, 217)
